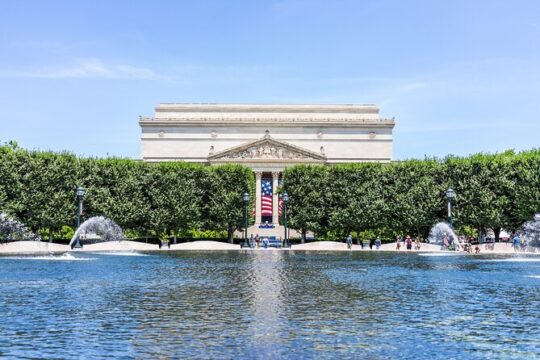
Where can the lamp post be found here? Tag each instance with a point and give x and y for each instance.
(80, 195)
(450, 195)
(246, 202)
(285, 199)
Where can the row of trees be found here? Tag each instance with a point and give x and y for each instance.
(38, 188)
(372, 199)
(175, 198)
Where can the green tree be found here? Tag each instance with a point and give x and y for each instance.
(117, 189)
(307, 209)
(355, 197)
(48, 200)
(223, 199)
(415, 195)
(176, 196)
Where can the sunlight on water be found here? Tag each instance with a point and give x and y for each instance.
(441, 254)
(63, 257)
(516, 259)
(121, 253)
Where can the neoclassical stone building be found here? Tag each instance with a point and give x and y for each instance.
(267, 138)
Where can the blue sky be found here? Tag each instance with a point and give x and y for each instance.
(459, 76)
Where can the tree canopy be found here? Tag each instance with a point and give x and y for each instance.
(493, 191)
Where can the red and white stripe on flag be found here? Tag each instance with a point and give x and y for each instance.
(266, 197)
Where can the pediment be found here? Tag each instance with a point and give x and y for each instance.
(267, 149)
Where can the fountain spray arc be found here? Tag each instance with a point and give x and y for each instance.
(441, 230)
(97, 229)
(531, 231)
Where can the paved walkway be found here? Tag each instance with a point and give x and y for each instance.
(40, 247)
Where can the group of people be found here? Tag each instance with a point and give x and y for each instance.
(255, 241)
(519, 243)
(377, 243)
(258, 242)
(462, 243)
(468, 247)
(407, 242)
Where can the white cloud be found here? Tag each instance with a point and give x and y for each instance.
(88, 68)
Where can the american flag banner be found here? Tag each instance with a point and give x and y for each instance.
(280, 200)
(266, 197)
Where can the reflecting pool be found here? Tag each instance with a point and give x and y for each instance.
(269, 304)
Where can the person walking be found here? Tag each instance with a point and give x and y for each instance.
(377, 243)
(349, 242)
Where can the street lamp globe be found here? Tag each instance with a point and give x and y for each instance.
(246, 198)
(80, 191)
(450, 194)
(285, 197)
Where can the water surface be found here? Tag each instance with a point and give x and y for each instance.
(269, 304)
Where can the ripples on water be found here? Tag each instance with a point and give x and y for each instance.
(270, 304)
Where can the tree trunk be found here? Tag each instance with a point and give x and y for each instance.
(304, 230)
(230, 232)
(497, 232)
(479, 234)
(50, 235)
(175, 232)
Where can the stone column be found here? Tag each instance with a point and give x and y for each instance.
(258, 176)
(275, 198)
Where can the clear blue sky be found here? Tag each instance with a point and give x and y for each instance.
(458, 76)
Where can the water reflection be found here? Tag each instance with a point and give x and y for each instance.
(265, 277)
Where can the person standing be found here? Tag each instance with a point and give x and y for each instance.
(517, 242)
(417, 243)
(377, 243)
(445, 243)
(349, 241)
(408, 242)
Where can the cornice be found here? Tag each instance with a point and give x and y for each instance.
(279, 122)
(270, 108)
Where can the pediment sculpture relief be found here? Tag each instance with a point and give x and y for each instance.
(267, 148)
(265, 151)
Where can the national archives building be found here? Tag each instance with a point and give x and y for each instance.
(266, 138)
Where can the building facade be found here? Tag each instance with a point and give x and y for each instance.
(266, 138)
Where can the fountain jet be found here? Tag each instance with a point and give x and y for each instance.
(531, 231)
(439, 231)
(104, 228)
